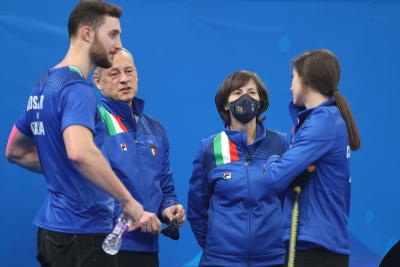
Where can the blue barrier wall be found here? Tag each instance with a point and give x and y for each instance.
(183, 50)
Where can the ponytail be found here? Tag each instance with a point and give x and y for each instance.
(352, 130)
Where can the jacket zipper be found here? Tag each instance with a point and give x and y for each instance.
(137, 144)
(248, 212)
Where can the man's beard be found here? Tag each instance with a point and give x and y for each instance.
(98, 55)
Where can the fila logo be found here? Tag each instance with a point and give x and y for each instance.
(123, 147)
(227, 175)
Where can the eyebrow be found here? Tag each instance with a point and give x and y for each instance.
(240, 89)
(112, 69)
(117, 69)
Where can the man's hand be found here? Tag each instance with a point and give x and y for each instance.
(135, 211)
(176, 211)
(148, 223)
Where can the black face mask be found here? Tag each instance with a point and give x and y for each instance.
(245, 108)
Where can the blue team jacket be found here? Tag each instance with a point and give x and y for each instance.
(320, 138)
(235, 217)
(138, 151)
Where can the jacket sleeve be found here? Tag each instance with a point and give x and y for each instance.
(285, 142)
(166, 181)
(285, 146)
(314, 140)
(199, 199)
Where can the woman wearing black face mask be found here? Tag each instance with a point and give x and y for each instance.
(235, 218)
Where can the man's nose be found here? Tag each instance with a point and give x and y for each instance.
(118, 44)
(124, 78)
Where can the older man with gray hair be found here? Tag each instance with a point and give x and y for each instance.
(138, 151)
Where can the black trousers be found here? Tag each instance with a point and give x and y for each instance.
(319, 257)
(279, 265)
(137, 259)
(72, 250)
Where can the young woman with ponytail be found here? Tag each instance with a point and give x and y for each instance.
(323, 135)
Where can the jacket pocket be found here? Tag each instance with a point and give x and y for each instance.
(228, 232)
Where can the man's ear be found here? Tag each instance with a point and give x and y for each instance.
(96, 81)
(86, 34)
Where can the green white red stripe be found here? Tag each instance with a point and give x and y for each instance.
(113, 122)
(224, 149)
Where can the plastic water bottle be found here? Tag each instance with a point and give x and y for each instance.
(112, 243)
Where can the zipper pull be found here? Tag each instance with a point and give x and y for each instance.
(249, 157)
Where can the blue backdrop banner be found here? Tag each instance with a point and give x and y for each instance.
(183, 50)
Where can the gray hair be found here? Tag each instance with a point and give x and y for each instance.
(97, 70)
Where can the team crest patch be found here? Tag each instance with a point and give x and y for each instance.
(227, 175)
(123, 147)
(153, 149)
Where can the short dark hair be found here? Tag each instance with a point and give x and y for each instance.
(233, 82)
(91, 13)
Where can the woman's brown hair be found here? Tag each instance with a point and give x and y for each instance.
(235, 81)
(320, 70)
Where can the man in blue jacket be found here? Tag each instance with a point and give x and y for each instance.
(55, 136)
(138, 151)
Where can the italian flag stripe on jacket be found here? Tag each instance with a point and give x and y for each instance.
(224, 149)
(113, 122)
